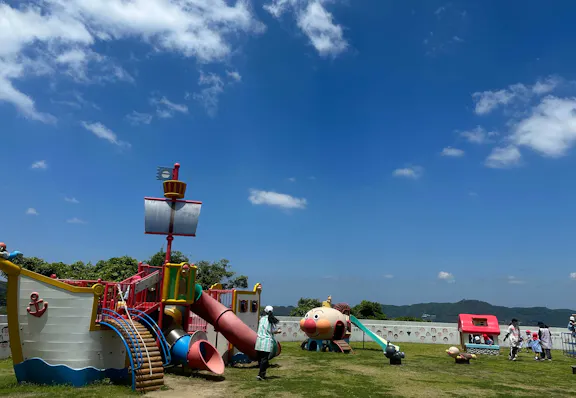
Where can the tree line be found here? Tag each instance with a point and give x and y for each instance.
(117, 269)
(365, 310)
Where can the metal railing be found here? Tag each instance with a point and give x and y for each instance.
(569, 344)
(141, 316)
(108, 315)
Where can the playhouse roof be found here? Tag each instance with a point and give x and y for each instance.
(466, 324)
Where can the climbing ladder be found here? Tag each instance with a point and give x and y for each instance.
(148, 350)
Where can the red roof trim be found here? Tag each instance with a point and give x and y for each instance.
(466, 324)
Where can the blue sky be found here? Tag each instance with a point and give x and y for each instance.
(396, 151)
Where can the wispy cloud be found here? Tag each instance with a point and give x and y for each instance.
(213, 86)
(137, 118)
(413, 172)
(515, 281)
(452, 152)
(75, 220)
(234, 75)
(32, 212)
(57, 39)
(166, 109)
(326, 36)
(71, 200)
(488, 101)
(103, 132)
(478, 135)
(40, 164)
(275, 199)
(573, 275)
(446, 276)
(292, 179)
(505, 157)
(388, 276)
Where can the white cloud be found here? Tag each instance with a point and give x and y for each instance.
(71, 200)
(573, 275)
(40, 164)
(487, 101)
(75, 220)
(166, 108)
(503, 157)
(276, 199)
(550, 129)
(32, 212)
(137, 118)
(316, 23)
(446, 276)
(478, 135)
(388, 276)
(472, 194)
(452, 152)
(103, 132)
(414, 172)
(208, 96)
(60, 36)
(292, 179)
(515, 281)
(234, 75)
(86, 66)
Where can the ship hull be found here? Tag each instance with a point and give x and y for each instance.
(54, 336)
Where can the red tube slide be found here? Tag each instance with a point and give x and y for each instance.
(226, 322)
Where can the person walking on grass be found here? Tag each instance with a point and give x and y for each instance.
(546, 341)
(514, 335)
(536, 346)
(265, 340)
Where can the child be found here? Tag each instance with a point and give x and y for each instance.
(536, 346)
(488, 339)
(477, 339)
(525, 341)
(515, 339)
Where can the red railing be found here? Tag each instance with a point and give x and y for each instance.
(146, 300)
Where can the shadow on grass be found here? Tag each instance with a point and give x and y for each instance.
(194, 373)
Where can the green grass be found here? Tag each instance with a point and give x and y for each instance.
(426, 372)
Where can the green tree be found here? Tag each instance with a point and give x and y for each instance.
(219, 272)
(33, 264)
(176, 257)
(116, 269)
(305, 305)
(368, 310)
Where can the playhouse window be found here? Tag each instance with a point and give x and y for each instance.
(243, 305)
(480, 321)
(254, 306)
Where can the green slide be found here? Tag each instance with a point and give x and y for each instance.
(381, 342)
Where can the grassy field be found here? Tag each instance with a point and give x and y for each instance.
(427, 372)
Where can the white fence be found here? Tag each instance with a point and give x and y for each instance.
(407, 332)
(4, 339)
(395, 331)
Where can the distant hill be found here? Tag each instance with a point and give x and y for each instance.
(448, 312)
(280, 310)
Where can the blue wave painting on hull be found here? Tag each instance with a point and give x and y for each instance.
(37, 371)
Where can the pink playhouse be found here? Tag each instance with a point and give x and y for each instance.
(479, 333)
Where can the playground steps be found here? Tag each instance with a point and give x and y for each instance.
(344, 346)
(150, 375)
